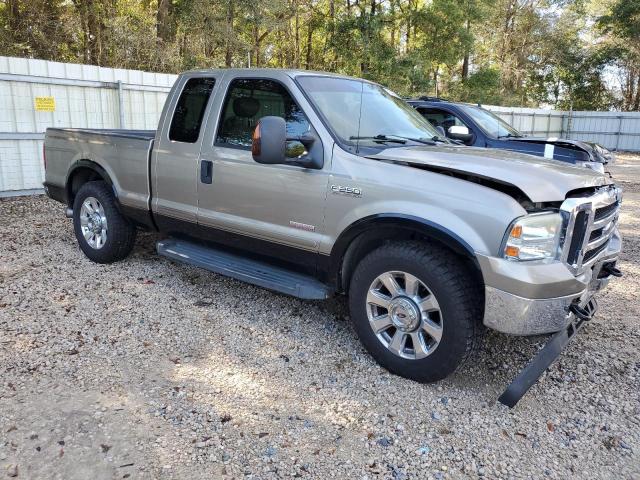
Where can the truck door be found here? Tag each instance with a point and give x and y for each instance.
(280, 206)
(176, 153)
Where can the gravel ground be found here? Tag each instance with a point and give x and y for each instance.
(148, 369)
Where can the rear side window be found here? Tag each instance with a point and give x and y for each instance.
(187, 117)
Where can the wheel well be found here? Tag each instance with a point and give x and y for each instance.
(81, 175)
(373, 238)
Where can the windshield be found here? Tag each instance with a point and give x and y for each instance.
(365, 114)
(490, 123)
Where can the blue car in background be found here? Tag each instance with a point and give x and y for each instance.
(478, 127)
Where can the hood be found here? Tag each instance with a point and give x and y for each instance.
(541, 179)
(595, 152)
(605, 155)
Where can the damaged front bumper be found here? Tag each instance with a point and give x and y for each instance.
(563, 316)
(546, 356)
(517, 313)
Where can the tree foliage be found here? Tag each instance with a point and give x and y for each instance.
(621, 25)
(564, 53)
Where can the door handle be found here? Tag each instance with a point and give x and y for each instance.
(206, 171)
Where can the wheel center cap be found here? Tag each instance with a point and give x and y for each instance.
(96, 223)
(404, 314)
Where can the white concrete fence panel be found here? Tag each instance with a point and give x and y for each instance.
(36, 94)
(613, 130)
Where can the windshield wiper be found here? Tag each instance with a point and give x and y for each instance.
(394, 139)
(426, 141)
(381, 139)
(438, 138)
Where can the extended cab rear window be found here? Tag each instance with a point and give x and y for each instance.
(189, 112)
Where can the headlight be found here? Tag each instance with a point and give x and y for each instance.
(611, 159)
(606, 154)
(534, 237)
(596, 166)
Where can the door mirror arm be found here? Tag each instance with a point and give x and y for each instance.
(306, 139)
(308, 160)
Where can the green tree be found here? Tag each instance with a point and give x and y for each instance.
(513, 52)
(621, 25)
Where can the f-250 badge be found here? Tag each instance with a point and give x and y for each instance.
(349, 191)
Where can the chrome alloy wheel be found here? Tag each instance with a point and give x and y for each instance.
(93, 223)
(404, 314)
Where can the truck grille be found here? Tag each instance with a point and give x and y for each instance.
(590, 223)
(606, 211)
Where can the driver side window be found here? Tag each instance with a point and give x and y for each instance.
(247, 101)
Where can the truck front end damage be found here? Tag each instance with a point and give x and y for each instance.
(537, 297)
(530, 297)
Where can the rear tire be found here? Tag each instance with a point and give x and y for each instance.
(103, 233)
(436, 309)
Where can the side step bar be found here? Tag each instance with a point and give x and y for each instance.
(247, 270)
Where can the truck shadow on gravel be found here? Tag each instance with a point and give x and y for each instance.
(305, 355)
(483, 376)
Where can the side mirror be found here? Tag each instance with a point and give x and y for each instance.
(460, 132)
(270, 145)
(268, 140)
(294, 149)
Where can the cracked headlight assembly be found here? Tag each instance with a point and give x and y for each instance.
(534, 237)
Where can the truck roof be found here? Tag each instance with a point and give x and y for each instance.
(425, 100)
(292, 72)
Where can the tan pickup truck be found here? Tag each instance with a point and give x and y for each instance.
(314, 184)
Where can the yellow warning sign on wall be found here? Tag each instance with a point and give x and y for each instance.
(45, 104)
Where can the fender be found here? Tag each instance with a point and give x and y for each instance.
(372, 224)
(141, 218)
(91, 165)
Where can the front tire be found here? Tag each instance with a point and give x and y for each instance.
(416, 309)
(103, 233)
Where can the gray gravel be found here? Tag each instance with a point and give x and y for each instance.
(148, 369)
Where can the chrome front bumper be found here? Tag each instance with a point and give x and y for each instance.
(509, 313)
(517, 315)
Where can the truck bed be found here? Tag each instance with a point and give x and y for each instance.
(123, 154)
(113, 132)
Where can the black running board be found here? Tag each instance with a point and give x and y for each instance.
(241, 268)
